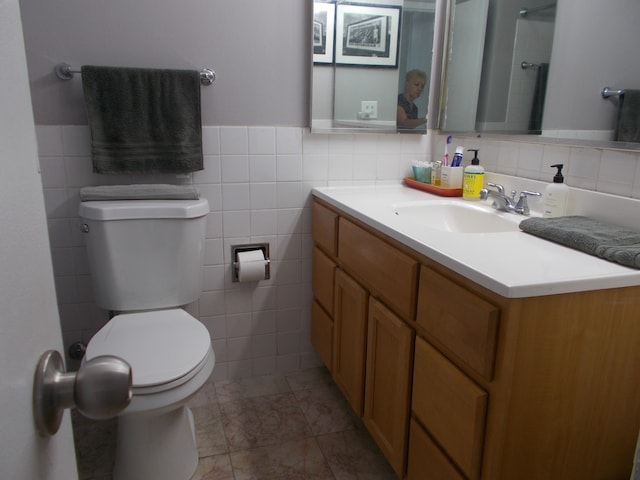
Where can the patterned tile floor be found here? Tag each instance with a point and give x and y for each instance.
(291, 427)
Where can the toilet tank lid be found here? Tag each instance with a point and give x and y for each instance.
(137, 209)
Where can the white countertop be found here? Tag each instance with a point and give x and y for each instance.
(512, 264)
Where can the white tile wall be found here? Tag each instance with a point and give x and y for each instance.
(257, 181)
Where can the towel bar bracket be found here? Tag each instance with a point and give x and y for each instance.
(207, 76)
(525, 65)
(609, 92)
(64, 72)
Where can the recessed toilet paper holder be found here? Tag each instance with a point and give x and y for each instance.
(236, 249)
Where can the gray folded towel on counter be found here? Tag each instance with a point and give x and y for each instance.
(598, 238)
(143, 120)
(139, 192)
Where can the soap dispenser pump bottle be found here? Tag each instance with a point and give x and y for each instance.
(555, 195)
(473, 178)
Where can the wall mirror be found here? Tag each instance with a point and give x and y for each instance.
(539, 67)
(361, 54)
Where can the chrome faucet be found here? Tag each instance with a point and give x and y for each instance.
(504, 203)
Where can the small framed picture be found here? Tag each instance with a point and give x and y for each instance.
(324, 15)
(367, 35)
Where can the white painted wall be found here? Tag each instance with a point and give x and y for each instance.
(256, 49)
(260, 159)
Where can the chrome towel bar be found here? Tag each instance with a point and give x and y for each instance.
(65, 72)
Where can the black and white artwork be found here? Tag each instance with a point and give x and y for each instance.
(367, 35)
(323, 32)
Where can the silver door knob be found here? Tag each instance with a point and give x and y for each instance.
(100, 389)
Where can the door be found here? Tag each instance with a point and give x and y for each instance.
(465, 65)
(29, 323)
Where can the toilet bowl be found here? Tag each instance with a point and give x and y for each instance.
(156, 437)
(146, 260)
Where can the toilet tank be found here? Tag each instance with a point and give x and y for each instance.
(145, 254)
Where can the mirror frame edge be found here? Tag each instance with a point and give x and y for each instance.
(441, 45)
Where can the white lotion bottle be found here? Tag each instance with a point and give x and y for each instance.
(556, 195)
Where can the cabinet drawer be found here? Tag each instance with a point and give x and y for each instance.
(462, 322)
(324, 225)
(426, 460)
(450, 406)
(386, 270)
(322, 334)
(322, 273)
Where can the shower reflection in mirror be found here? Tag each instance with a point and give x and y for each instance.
(496, 78)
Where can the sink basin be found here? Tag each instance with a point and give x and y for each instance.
(457, 217)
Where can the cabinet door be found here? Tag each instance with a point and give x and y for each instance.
(322, 334)
(388, 379)
(349, 339)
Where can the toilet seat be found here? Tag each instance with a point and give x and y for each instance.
(165, 348)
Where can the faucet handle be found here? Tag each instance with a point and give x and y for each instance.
(499, 187)
(523, 206)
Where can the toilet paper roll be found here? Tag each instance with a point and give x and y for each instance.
(251, 266)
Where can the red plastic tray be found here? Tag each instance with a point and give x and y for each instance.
(427, 187)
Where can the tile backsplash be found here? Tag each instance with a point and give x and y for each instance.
(257, 181)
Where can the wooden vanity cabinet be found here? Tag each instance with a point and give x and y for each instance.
(322, 281)
(565, 400)
(374, 295)
(459, 329)
(530, 388)
(324, 263)
(494, 388)
(339, 311)
(390, 277)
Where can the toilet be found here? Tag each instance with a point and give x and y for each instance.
(145, 258)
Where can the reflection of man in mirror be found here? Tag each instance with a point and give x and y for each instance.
(407, 117)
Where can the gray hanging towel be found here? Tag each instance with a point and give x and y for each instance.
(537, 104)
(595, 237)
(143, 120)
(628, 122)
